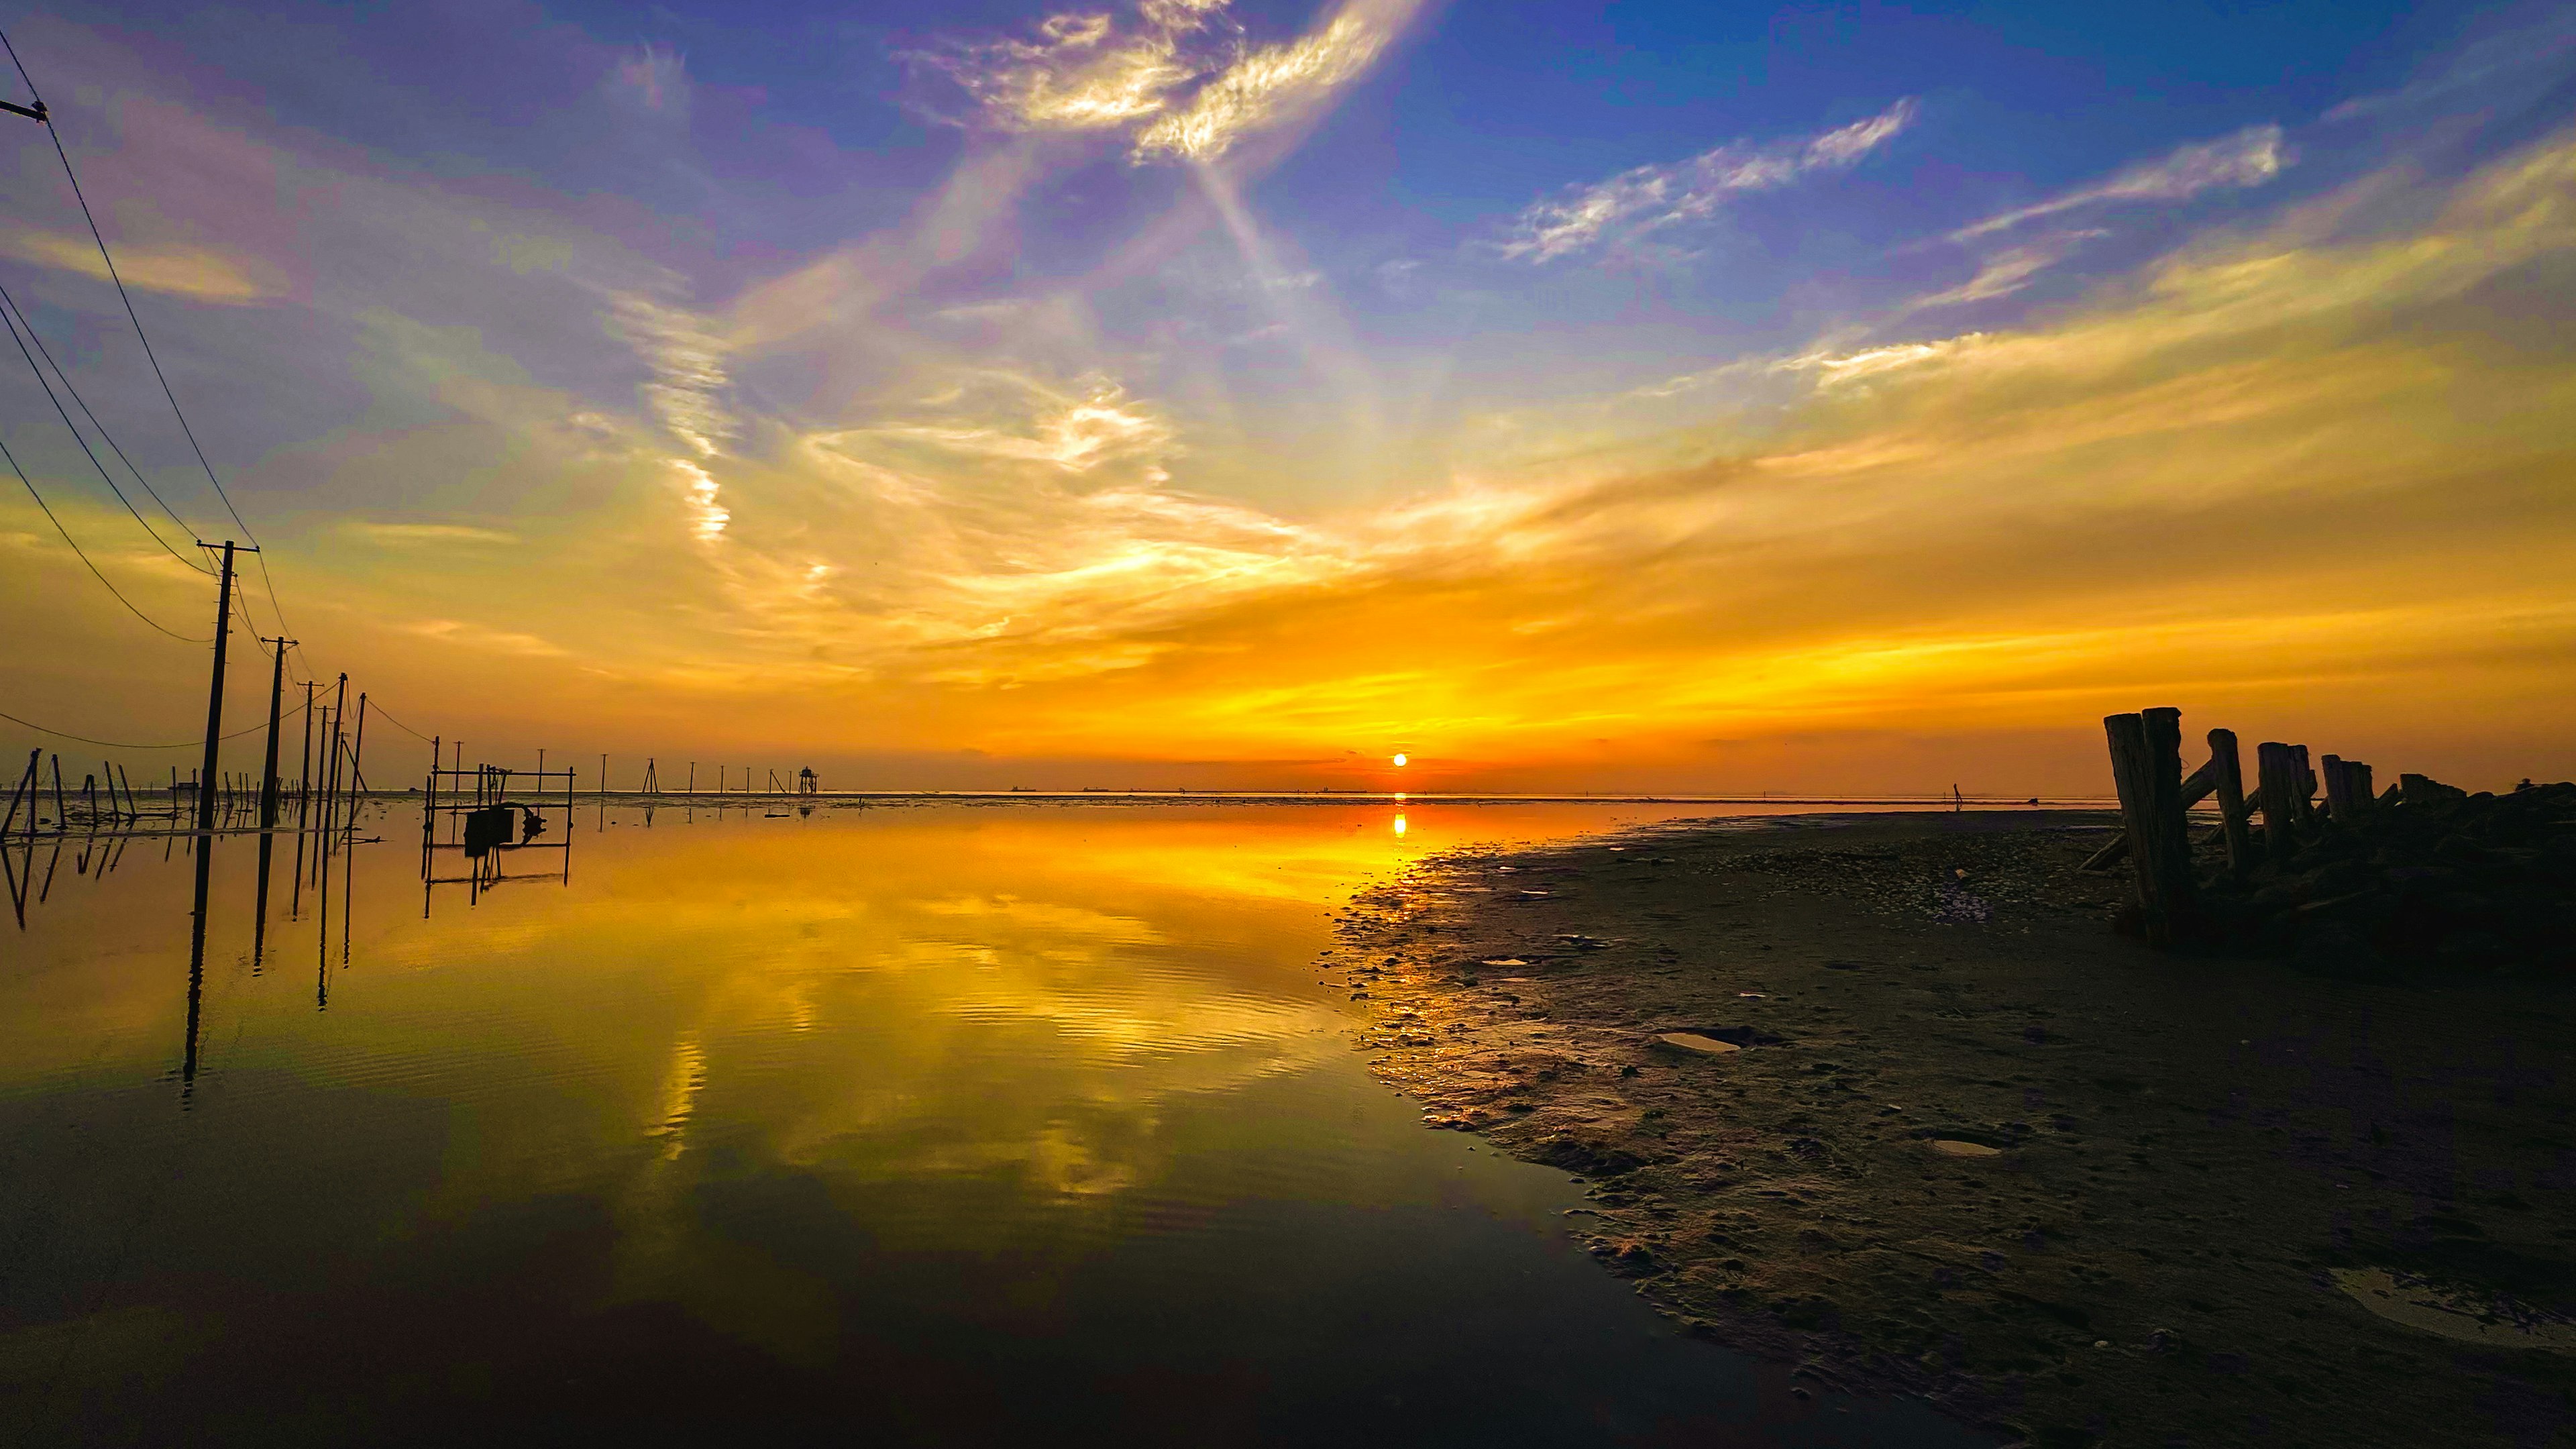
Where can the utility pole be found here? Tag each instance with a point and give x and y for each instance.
(339, 723)
(215, 693)
(276, 702)
(304, 780)
(358, 753)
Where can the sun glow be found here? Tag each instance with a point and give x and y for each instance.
(1399, 762)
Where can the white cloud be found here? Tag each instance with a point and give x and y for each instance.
(1648, 197)
(1176, 73)
(687, 360)
(1266, 87)
(2248, 158)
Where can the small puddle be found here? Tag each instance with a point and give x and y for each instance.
(2466, 1315)
(1956, 1147)
(1694, 1043)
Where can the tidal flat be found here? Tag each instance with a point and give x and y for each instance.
(935, 1124)
(1889, 1099)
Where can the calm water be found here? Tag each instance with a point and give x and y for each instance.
(915, 1125)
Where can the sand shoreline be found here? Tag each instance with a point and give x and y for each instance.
(1925, 1123)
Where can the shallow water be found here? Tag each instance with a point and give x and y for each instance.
(943, 1124)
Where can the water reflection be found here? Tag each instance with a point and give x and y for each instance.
(992, 1121)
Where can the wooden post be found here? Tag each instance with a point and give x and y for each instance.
(304, 772)
(2357, 779)
(2276, 769)
(2305, 802)
(268, 782)
(62, 813)
(358, 752)
(215, 694)
(339, 728)
(2146, 766)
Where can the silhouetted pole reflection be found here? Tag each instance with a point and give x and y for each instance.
(259, 921)
(17, 884)
(196, 968)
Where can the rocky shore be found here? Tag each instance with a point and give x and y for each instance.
(1887, 1095)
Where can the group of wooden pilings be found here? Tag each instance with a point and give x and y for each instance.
(121, 805)
(2156, 799)
(109, 801)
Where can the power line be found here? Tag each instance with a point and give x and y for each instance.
(84, 558)
(121, 745)
(86, 451)
(377, 706)
(186, 529)
(43, 115)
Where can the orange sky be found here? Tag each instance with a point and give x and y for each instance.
(2305, 471)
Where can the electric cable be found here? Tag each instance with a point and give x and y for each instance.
(86, 451)
(186, 529)
(84, 557)
(266, 582)
(181, 745)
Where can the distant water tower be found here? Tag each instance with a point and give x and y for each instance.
(806, 783)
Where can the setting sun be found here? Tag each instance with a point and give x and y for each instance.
(1399, 761)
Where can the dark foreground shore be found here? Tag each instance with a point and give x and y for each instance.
(1886, 1095)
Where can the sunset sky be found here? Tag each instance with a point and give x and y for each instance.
(1571, 397)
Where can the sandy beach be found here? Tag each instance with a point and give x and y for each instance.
(1887, 1095)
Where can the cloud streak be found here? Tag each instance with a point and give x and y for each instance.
(2248, 158)
(1647, 198)
(1177, 75)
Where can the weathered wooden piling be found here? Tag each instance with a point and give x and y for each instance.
(2227, 772)
(2146, 766)
(2347, 785)
(2276, 774)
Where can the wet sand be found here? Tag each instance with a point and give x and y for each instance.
(1887, 1096)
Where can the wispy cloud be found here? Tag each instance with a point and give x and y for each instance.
(1177, 73)
(2008, 271)
(2248, 158)
(199, 274)
(653, 79)
(1275, 84)
(687, 362)
(1649, 197)
(428, 533)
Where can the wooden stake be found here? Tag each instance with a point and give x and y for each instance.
(2146, 766)
(2276, 773)
(2227, 773)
